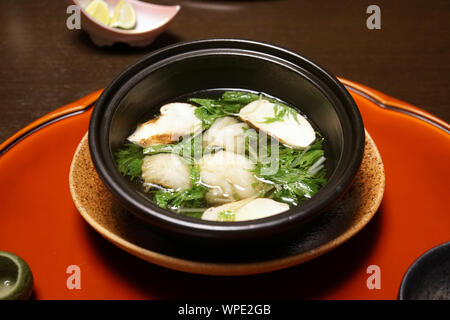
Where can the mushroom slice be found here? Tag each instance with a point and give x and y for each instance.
(291, 129)
(228, 176)
(227, 133)
(176, 120)
(243, 210)
(167, 170)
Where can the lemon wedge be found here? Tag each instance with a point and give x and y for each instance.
(99, 10)
(124, 16)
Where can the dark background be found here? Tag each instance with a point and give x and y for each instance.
(44, 65)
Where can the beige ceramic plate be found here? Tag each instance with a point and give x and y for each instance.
(100, 209)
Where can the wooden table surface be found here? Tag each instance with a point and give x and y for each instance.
(44, 65)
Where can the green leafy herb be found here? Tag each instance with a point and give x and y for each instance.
(187, 148)
(294, 181)
(162, 148)
(210, 110)
(232, 102)
(229, 104)
(280, 112)
(129, 160)
(226, 215)
(190, 202)
(195, 174)
(239, 97)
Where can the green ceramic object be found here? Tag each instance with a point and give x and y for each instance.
(16, 279)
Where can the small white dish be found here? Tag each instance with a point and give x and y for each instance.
(152, 20)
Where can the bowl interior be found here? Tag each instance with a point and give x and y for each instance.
(242, 72)
(189, 69)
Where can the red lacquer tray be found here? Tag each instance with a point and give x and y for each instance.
(39, 221)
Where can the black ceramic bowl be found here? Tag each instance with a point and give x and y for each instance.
(186, 68)
(428, 278)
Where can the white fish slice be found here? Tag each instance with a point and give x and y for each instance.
(176, 120)
(247, 209)
(167, 170)
(292, 130)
